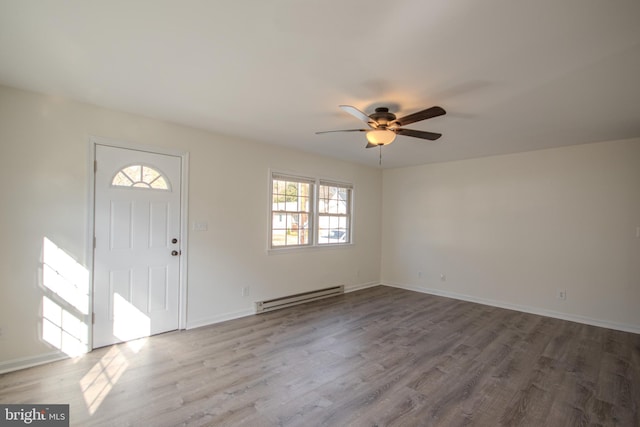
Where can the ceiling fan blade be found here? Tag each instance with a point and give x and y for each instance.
(358, 114)
(370, 145)
(420, 115)
(342, 130)
(431, 136)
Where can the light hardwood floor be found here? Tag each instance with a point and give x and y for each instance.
(381, 356)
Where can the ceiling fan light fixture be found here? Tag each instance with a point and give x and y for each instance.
(380, 136)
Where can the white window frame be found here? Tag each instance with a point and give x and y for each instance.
(314, 216)
(276, 176)
(347, 215)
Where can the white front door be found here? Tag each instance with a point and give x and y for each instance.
(137, 244)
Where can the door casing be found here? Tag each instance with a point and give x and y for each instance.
(184, 228)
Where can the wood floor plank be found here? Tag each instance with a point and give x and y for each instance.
(378, 357)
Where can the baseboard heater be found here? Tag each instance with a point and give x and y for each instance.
(288, 301)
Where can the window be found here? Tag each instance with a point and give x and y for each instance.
(298, 221)
(140, 176)
(334, 213)
(291, 214)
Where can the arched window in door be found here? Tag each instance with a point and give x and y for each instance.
(140, 176)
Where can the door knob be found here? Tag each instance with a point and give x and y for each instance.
(175, 253)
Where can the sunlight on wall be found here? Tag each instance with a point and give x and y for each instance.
(128, 322)
(99, 381)
(66, 305)
(65, 276)
(62, 329)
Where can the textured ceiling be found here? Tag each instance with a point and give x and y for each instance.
(513, 75)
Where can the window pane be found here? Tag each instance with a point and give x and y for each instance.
(332, 236)
(292, 221)
(277, 193)
(323, 206)
(303, 204)
(333, 199)
(139, 176)
(343, 200)
(333, 229)
(291, 191)
(278, 238)
(278, 222)
(296, 230)
(134, 172)
(122, 180)
(160, 184)
(149, 174)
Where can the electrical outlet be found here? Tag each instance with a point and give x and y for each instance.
(419, 274)
(245, 291)
(562, 294)
(443, 277)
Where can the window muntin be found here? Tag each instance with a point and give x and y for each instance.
(298, 221)
(334, 213)
(140, 176)
(291, 211)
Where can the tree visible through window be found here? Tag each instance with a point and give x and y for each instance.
(140, 176)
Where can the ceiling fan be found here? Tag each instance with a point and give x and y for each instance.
(384, 126)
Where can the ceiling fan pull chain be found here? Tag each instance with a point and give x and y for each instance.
(380, 161)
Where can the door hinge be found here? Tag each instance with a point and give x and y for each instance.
(93, 318)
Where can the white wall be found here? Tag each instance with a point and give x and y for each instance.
(506, 230)
(512, 230)
(44, 193)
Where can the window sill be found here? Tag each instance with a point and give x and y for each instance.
(288, 250)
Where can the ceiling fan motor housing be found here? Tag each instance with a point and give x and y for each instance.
(382, 117)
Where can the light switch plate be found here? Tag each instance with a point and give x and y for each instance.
(200, 226)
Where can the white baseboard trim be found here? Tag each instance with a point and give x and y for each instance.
(523, 308)
(31, 361)
(360, 286)
(219, 318)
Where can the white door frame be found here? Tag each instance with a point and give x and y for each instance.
(184, 228)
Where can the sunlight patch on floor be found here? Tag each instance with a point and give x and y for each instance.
(102, 377)
(136, 345)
